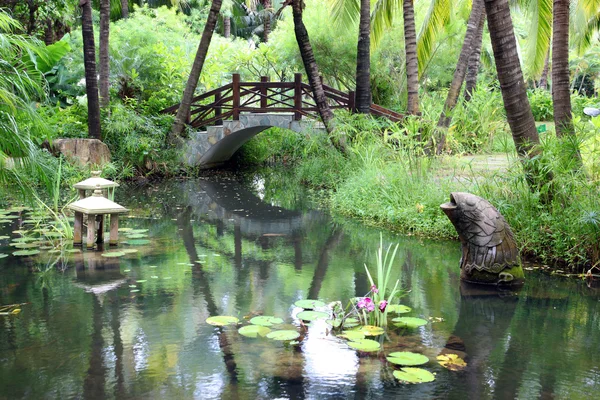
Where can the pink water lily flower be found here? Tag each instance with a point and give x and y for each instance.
(382, 305)
(374, 289)
(366, 303)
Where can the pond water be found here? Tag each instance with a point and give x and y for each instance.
(134, 327)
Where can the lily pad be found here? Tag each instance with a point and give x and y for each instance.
(334, 322)
(370, 330)
(52, 234)
(352, 335)
(350, 322)
(132, 286)
(126, 270)
(26, 252)
(368, 345)
(414, 375)
(25, 239)
(309, 304)
(153, 266)
(266, 320)
(4, 237)
(312, 315)
(254, 331)
(154, 277)
(141, 281)
(125, 229)
(136, 231)
(137, 236)
(2, 255)
(409, 322)
(398, 308)
(407, 358)
(113, 254)
(138, 242)
(73, 250)
(134, 291)
(25, 245)
(5, 221)
(129, 251)
(283, 335)
(222, 320)
(451, 361)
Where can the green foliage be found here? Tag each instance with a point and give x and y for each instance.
(541, 104)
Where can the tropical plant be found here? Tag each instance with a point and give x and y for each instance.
(91, 79)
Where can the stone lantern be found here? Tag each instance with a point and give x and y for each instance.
(93, 183)
(92, 207)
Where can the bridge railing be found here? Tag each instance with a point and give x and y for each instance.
(237, 97)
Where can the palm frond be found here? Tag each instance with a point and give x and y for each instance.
(345, 12)
(539, 13)
(382, 17)
(437, 17)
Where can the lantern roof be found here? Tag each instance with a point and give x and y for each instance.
(97, 204)
(94, 181)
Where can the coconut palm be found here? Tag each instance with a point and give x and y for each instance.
(474, 60)
(561, 93)
(183, 111)
(124, 9)
(89, 59)
(363, 59)
(104, 67)
(412, 62)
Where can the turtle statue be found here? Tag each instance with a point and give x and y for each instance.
(489, 251)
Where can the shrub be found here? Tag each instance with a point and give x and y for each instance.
(541, 104)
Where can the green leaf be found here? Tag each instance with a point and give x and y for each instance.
(309, 304)
(222, 320)
(26, 252)
(451, 361)
(409, 322)
(138, 242)
(137, 236)
(312, 315)
(283, 335)
(370, 330)
(398, 308)
(141, 281)
(407, 358)
(265, 320)
(352, 335)
(254, 331)
(414, 375)
(2, 255)
(367, 345)
(113, 254)
(129, 251)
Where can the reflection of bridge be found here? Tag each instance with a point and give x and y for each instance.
(234, 113)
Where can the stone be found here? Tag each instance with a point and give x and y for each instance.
(489, 251)
(81, 151)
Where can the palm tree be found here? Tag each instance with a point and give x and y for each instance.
(89, 59)
(363, 59)
(512, 85)
(412, 63)
(267, 20)
(124, 9)
(104, 58)
(561, 93)
(474, 60)
(183, 111)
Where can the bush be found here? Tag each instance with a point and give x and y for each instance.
(541, 104)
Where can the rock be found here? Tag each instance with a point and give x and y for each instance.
(489, 251)
(81, 151)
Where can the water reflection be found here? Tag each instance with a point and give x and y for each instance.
(135, 327)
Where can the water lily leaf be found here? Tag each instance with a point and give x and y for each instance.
(398, 308)
(352, 335)
(283, 335)
(407, 358)
(138, 242)
(25, 239)
(129, 251)
(370, 330)
(312, 315)
(167, 277)
(4, 237)
(2, 255)
(52, 234)
(73, 250)
(141, 281)
(350, 322)
(451, 361)
(9, 217)
(134, 291)
(309, 304)
(125, 229)
(254, 331)
(336, 323)
(26, 252)
(136, 231)
(266, 320)
(5, 221)
(126, 270)
(132, 286)
(154, 277)
(409, 322)
(414, 375)
(368, 345)
(55, 251)
(153, 266)
(137, 236)
(25, 245)
(222, 320)
(113, 254)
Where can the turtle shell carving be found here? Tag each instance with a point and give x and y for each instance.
(487, 242)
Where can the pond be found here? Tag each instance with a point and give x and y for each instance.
(135, 326)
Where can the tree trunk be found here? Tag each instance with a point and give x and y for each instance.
(544, 77)
(412, 66)
(89, 59)
(514, 94)
(312, 71)
(267, 20)
(125, 9)
(561, 94)
(227, 27)
(48, 32)
(184, 108)
(363, 59)
(477, 13)
(474, 59)
(104, 58)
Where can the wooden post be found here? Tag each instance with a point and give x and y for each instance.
(297, 97)
(77, 229)
(91, 230)
(236, 96)
(114, 230)
(263, 93)
(100, 236)
(352, 101)
(218, 109)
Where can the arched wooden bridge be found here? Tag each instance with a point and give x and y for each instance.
(234, 113)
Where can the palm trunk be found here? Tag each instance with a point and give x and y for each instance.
(514, 94)
(561, 94)
(226, 27)
(477, 13)
(474, 59)
(312, 70)
(544, 77)
(412, 66)
(104, 59)
(89, 59)
(267, 20)
(48, 32)
(183, 111)
(125, 9)
(363, 59)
